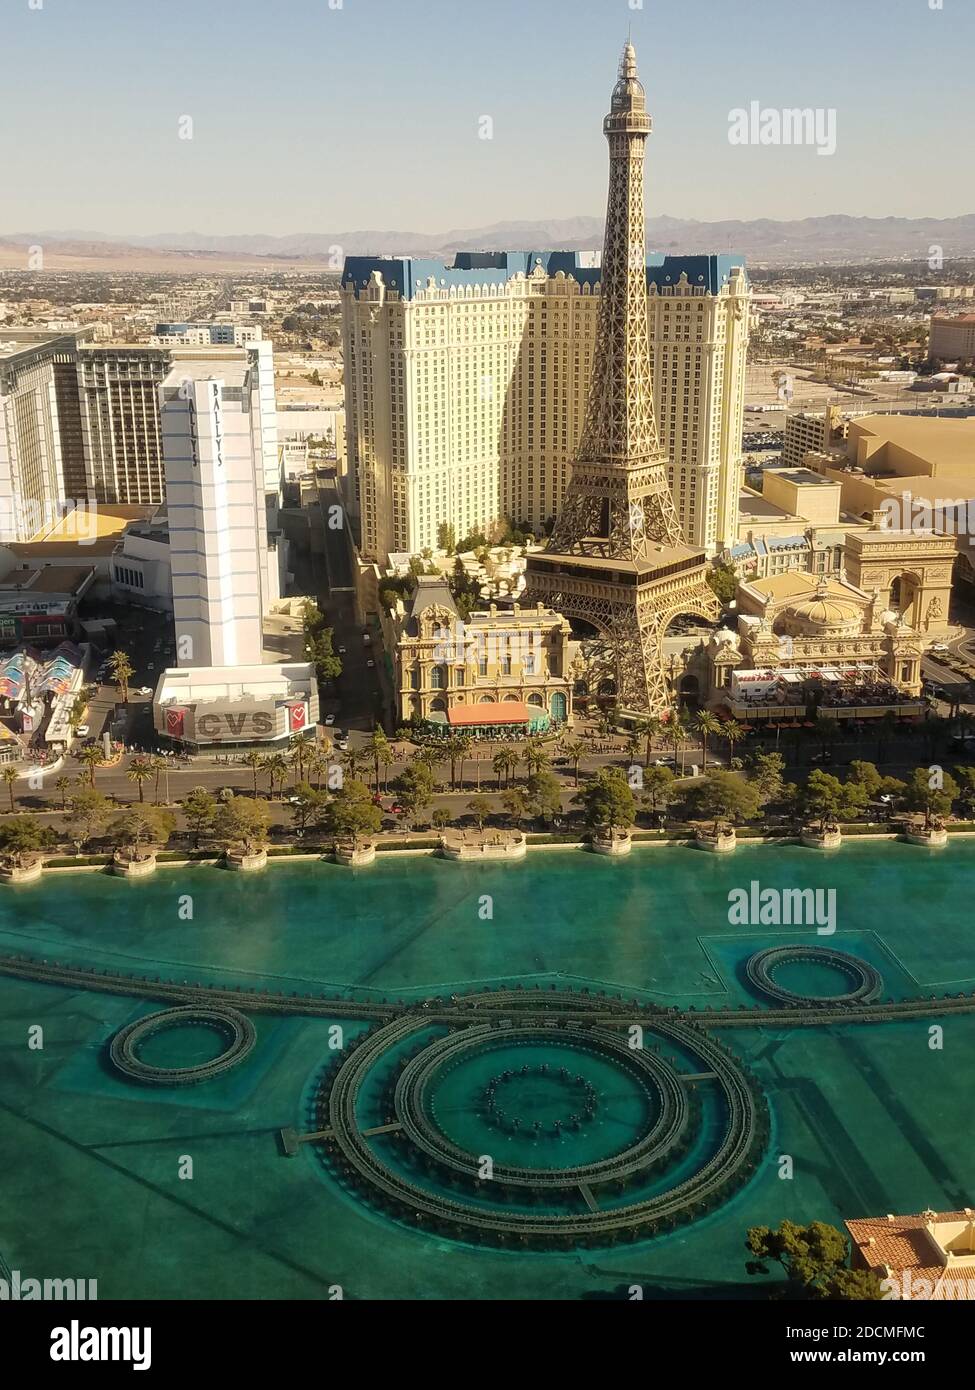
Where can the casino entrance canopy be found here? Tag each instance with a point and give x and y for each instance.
(493, 718)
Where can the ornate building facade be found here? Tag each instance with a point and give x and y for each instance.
(500, 655)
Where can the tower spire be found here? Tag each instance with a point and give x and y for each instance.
(616, 559)
(620, 431)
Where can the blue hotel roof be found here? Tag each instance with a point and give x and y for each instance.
(407, 274)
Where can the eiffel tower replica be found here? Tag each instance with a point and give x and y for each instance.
(616, 559)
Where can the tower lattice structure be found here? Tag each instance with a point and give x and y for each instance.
(616, 558)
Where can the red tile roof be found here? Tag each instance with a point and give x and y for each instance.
(899, 1243)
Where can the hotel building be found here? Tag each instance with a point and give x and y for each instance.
(42, 459)
(812, 431)
(467, 385)
(119, 388)
(224, 573)
(952, 338)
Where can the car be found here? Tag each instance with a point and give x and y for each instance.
(150, 665)
(939, 692)
(396, 810)
(378, 801)
(665, 762)
(940, 647)
(342, 651)
(370, 662)
(145, 690)
(342, 743)
(330, 719)
(82, 731)
(366, 639)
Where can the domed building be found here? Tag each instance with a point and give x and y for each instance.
(823, 614)
(805, 642)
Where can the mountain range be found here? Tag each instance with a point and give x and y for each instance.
(833, 239)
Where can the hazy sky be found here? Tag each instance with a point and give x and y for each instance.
(308, 118)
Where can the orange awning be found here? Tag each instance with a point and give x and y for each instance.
(505, 712)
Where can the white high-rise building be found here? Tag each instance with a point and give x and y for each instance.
(215, 438)
(467, 385)
(42, 471)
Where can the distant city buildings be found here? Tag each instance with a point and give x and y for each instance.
(952, 338)
(205, 334)
(937, 293)
(466, 389)
(812, 430)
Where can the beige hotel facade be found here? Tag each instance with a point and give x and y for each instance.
(466, 390)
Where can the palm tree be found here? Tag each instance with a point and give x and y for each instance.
(429, 757)
(454, 750)
(121, 670)
(535, 756)
(465, 746)
(734, 733)
(679, 730)
(275, 766)
(387, 759)
(573, 748)
(353, 759)
(648, 729)
(62, 785)
(318, 763)
(500, 765)
(298, 748)
(9, 775)
(140, 770)
(377, 748)
(706, 724)
(255, 761)
(92, 756)
(158, 766)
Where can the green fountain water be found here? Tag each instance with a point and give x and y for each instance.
(874, 1117)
